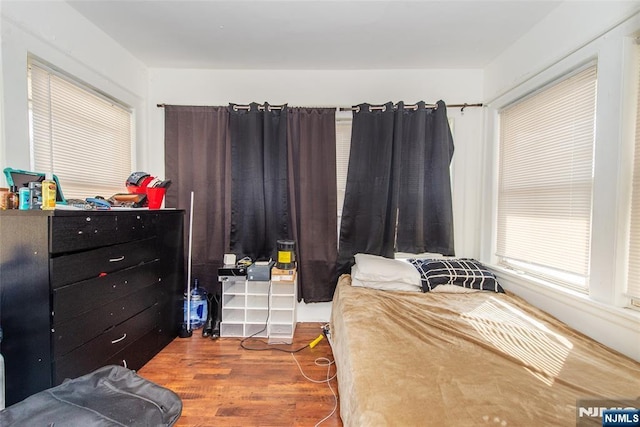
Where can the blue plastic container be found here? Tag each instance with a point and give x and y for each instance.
(198, 306)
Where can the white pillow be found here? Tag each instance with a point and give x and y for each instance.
(453, 289)
(374, 268)
(381, 285)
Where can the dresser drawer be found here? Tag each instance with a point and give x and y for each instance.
(138, 226)
(66, 269)
(137, 354)
(97, 229)
(75, 332)
(100, 350)
(74, 233)
(77, 298)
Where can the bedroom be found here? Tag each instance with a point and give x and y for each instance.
(546, 51)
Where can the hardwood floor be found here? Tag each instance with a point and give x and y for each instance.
(222, 384)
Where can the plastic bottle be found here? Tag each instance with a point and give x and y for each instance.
(48, 192)
(35, 195)
(198, 313)
(14, 198)
(23, 192)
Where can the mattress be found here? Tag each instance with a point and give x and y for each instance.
(465, 359)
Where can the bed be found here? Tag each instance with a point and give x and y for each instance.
(466, 357)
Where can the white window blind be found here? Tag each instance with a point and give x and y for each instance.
(343, 147)
(633, 273)
(81, 136)
(545, 180)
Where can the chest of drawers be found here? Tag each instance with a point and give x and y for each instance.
(84, 289)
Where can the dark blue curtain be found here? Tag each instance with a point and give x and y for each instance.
(398, 192)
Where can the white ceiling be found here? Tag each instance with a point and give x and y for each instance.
(305, 34)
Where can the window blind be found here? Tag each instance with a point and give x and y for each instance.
(82, 137)
(545, 180)
(343, 147)
(633, 272)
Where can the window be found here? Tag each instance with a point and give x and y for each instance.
(633, 272)
(343, 147)
(78, 134)
(545, 181)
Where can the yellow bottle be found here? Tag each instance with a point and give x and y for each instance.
(48, 192)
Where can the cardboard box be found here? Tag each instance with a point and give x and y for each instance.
(280, 275)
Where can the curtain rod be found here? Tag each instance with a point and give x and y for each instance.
(413, 107)
(237, 107)
(354, 108)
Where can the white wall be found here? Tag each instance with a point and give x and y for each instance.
(341, 88)
(599, 31)
(570, 26)
(57, 34)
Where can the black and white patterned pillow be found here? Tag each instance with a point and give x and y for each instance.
(464, 272)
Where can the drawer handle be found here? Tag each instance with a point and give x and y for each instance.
(116, 259)
(124, 363)
(119, 339)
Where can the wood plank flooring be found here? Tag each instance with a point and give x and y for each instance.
(222, 384)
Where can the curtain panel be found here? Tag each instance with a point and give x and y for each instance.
(425, 208)
(311, 137)
(398, 191)
(259, 188)
(259, 175)
(369, 211)
(198, 159)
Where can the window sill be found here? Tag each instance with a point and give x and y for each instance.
(515, 282)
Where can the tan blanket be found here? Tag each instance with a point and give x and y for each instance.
(414, 359)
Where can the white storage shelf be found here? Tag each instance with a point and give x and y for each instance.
(233, 315)
(257, 288)
(257, 330)
(233, 301)
(232, 329)
(257, 315)
(281, 316)
(258, 301)
(247, 304)
(234, 288)
(283, 288)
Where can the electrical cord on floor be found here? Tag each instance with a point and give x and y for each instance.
(266, 323)
(270, 347)
(322, 361)
(267, 346)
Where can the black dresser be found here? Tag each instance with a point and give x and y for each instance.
(84, 289)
